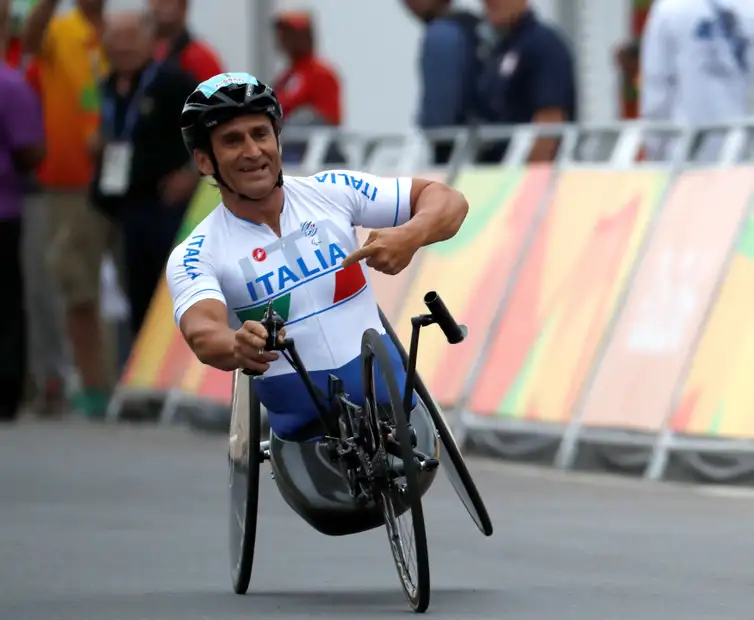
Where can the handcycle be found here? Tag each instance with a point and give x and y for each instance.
(366, 466)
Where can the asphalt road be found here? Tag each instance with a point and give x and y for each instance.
(129, 523)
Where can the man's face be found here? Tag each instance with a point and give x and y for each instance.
(246, 150)
(501, 13)
(293, 42)
(128, 42)
(168, 14)
(425, 10)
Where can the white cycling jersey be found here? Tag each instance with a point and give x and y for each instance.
(326, 308)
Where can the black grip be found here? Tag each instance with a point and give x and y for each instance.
(273, 323)
(454, 332)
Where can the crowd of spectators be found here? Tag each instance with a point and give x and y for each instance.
(93, 172)
(687, 62)
(502, 67)
(695, 68)
(92, 165)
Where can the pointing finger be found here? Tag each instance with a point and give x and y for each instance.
(360, 254)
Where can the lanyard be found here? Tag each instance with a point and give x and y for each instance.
(132, 113)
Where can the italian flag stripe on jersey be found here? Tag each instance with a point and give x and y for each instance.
(282, 306)
(348, 282)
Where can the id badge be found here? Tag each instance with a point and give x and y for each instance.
(116, 168)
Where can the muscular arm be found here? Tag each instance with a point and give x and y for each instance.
(444, 61)
(205, 328)
(437, 212)
(199, 304)
(405, 221)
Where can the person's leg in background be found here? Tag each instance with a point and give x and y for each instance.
(13, 355)
(114, 305)
(49, 355)
(149, 233)
(81, 236)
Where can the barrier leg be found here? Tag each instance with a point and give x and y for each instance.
(568, 448)
(659, 460)
(115, 406)
(170, 406)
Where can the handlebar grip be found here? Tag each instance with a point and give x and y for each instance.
(454, 332)
(273, 323)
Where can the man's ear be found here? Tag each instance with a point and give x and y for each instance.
(203, 163)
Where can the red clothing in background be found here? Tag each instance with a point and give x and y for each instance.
(195, 57)
(14, 58)
(310, 83)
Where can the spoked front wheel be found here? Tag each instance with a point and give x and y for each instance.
(244, 457)
(398, 495)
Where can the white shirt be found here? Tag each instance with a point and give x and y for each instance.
(696, 64)
(244, 265)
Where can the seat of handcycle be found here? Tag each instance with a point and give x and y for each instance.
(313, 486)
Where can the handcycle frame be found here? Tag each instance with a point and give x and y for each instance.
(343, 421)
(347, 438)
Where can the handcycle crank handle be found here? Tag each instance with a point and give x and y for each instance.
(273, 323)
(454, 332)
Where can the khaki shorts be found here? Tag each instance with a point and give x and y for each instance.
(81, 236)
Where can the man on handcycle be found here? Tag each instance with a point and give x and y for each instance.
(290, 240)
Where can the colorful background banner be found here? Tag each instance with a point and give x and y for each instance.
(718, 395)
(668, 300)
(586, 228)
(471, 270)
(566, 293)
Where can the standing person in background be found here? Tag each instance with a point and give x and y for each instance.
(144, 178)
(529, 78)
(68, 54)
(452, 52)
(628, 64)
(176, 43)
(309, 89)
(48, 354)
(696, 68)
(21, 151)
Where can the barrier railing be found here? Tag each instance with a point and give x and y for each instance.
(605, 293)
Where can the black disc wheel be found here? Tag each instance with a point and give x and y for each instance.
(244, 457)
(397, 487)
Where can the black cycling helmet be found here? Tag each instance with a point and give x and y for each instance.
(221, 99)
